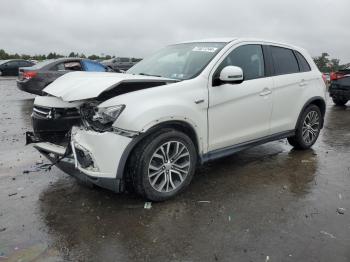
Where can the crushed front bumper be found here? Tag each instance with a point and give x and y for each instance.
(90, 156)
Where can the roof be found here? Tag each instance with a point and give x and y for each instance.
(239, 39)
(212, 40)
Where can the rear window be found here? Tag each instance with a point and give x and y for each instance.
(303, 64)
(42, 64)
(93, 66)
(284, 61)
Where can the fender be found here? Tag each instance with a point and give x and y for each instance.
(319, 101)
(190, 131)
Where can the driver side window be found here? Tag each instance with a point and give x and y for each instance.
(248, 57)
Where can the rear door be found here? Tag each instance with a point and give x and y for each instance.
(289, 84)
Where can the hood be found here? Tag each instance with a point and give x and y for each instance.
(84, 85)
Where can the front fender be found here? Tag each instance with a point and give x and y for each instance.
(173, 102)
(143, 121)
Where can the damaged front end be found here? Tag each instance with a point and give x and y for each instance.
(81, 145)
(81, 140)
(74, 132)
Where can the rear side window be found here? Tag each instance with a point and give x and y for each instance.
(93, 66)
(284, 61)
(303, 64)
(68, 66)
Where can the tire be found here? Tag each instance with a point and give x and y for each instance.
(339, 101)
(152, 174)
(311, 132)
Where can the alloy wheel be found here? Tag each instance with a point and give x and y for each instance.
(169, 166)
(311, 127)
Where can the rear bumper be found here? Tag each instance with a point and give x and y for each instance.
(30, 86)
(336, 92)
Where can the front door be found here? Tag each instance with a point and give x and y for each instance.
(240, 112)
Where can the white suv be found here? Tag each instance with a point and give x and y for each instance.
(183, 106)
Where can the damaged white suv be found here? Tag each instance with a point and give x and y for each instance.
(183, 106)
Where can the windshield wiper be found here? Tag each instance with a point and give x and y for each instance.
(144, 74)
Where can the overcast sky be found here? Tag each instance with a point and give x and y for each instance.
(140, 27)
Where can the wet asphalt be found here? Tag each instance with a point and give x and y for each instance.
(269, 203)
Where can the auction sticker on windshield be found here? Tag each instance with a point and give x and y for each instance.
(204, 49)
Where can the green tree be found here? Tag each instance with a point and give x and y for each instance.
(3, 55)
(25, 57)
(93, 57)
(322, 62)
(51, 56)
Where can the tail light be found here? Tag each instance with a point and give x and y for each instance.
(324, 77)
(336, 76)
(29, 74)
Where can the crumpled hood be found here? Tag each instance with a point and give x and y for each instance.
(84, 85)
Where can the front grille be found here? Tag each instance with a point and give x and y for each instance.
(54, 113)
(42, 112)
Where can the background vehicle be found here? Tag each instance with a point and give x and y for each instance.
(187, 104)
(10, 67)
(339, 88)
(119, 64)
(34, 79)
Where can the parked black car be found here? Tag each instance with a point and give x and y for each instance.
(10, 67)
(339, 88)
(34, 79)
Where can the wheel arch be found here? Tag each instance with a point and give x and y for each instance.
(178, 125)
(319, 102)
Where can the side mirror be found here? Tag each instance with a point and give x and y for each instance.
(231, 74)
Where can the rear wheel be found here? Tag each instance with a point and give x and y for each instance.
(308, 128)
(163, 165)
(339, 101)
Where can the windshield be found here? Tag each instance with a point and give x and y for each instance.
(182, 61)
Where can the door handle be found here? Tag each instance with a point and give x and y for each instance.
(199, 101)
(266, 91)
(303, 83)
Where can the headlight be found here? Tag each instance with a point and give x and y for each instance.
(107, 115)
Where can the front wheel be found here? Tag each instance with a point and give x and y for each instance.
(163, 165)
(308, 128)
(339, 101)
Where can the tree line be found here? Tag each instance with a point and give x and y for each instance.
(327, 64)
(52, 55)
(324, 62)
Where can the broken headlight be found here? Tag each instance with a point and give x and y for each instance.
(106, 115)
(100, 118)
